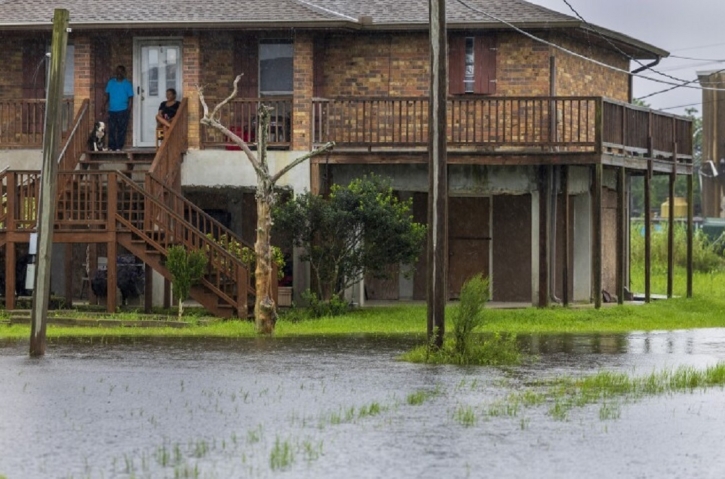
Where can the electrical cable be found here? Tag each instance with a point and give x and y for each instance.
(583, 57)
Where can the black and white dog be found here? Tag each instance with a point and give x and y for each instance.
(97, 138)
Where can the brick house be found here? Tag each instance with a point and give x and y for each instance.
(542, 144)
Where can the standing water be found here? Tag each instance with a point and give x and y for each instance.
(328, 408)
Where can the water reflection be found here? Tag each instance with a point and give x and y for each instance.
(107, 408)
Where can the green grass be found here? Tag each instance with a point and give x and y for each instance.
(608, 387)
(705, 310)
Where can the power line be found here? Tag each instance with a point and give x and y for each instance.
(675, 87)
(714, 60)
(591, 60)
(622, 52)
(700, 47)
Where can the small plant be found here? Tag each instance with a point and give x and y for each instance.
(466, 416)
(317, 308)
(468, 315)
(247, 255)
(281, 456)
(186, 267)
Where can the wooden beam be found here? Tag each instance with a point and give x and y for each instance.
(437, 274)
(597, 235)
(112, 277)
(621, 234)
(49, 180)
(544, 193)
(68, 275)
(566, 236)
(690, 232)
(148, 289)
(10, 279)
(671, 232)
(648, 233)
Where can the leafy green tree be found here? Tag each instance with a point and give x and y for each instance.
(186, 268)
(357, 230)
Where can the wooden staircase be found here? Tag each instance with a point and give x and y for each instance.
(131, 199)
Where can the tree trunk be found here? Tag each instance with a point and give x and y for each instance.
(265, 313)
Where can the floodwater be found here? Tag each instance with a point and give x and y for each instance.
(311, 408)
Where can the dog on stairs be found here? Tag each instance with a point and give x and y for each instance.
(97, 138)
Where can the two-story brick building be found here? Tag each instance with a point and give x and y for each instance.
(542, 142)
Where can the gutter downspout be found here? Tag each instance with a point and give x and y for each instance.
(638, 70)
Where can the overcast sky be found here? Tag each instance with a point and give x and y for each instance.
(689, 28)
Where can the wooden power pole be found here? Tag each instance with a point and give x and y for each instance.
(437, 176)
(48, 182)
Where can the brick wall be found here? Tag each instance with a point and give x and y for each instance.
(191, 77)
(11, 79)
(303, 83)
(576, 76)
(217, 59)
(83, 74)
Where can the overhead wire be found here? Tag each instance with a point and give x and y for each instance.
(578, 55)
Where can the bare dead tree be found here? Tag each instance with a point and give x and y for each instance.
(265, 309)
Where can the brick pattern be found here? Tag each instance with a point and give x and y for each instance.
(522, 66)
(11, 80)
(217, 65)
(83, 71)
(576, 76)
(303, 88)
(191, 61)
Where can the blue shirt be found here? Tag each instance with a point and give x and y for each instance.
(118, 94)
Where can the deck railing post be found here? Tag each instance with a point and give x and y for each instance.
(12, 194)
(599, 126)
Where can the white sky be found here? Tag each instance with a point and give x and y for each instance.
(690, 28)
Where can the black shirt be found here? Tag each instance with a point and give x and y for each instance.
(168, 112)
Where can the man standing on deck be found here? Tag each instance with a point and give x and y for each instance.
(118, 100)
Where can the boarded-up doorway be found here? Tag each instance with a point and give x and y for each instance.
(468, 240)
(512, 248)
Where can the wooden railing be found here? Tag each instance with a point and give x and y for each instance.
(240, 116)
(162, 227)
(22, 122)
(76, 143)
(167, 162)
(197, 218)
(472, 121)
(498, 123)
(20, 193)
(646, 132)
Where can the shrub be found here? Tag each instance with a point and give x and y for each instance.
(186, 268)
(705, 257)
(468, 315)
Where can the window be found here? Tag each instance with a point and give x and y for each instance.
(472, 65)
(469, 62)
(275, 67)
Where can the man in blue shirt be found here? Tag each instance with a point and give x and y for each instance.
(119, 100)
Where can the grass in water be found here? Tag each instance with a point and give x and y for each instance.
(281, 456)
(465, 415)
(564, 394)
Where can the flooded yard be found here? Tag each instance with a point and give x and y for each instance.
(344, 407)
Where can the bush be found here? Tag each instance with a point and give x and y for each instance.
(705, 257)
(318, 308)
(468, 315)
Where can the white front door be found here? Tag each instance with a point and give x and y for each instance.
(157, 68)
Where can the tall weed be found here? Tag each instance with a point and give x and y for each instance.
(705, 257)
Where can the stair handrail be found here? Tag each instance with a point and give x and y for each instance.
(75, 143)
(212, 226)
(228, 263)
(167, 162)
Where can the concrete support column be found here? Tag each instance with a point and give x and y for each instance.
(191, 78)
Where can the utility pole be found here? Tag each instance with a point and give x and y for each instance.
(48, 181)
(437, 176)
